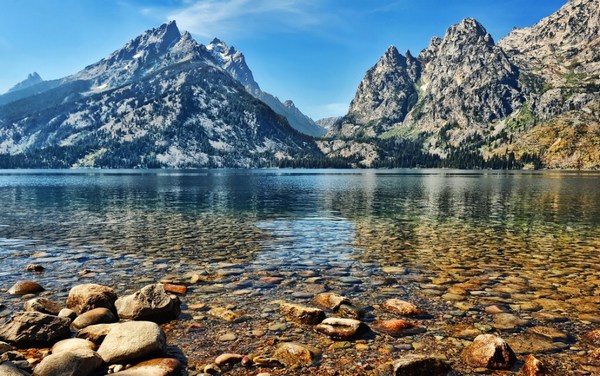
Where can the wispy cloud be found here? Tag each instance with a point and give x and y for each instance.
(225, 18)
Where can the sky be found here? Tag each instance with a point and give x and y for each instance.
(314, 52)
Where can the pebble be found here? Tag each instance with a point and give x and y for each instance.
(228, 337)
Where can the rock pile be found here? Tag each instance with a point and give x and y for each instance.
(103, 344)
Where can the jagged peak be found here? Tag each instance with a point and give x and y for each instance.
(392, 57)
(469, 29)
(32, 79)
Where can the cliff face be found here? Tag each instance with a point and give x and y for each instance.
(467, 95)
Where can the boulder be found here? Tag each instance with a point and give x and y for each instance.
(330, 301)
(417, 365)
(151, 303)
(95, 333)
(73, 344)
(293, 354)
(25, 287)
(93, 317)
(34, 328)
(83, 298)
(489, 351)
(69, 313)
(302, 314)
(42, 305)
(69, 363)
(4, 347)
(402, 308)
(132, 340)
(341, 329)
(154, 367)
(9, 369)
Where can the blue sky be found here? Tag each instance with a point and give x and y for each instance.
(314, 52)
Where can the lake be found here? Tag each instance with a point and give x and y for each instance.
(453, 241)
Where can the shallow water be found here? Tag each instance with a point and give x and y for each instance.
(474, 238)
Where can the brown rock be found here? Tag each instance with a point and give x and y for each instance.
(294, 354)
(533, 367)
(150, 303)
(549, 333)
(81, 362)
(396, 327)
(132, 340)
(154, 367)
(418, 365)
(83, 298)
(330, 301)
(402, 308)
(341, 329)
(72, 344)
(34, 268)
(273, 280)
(228, 358)
(594, 358)
(302, 314)
(175, 289)
(25, 287)
(489, 351)
(93, 317)
(533, 344)
(95, 333)
(350, 312)
(224, 314)
(42, 305)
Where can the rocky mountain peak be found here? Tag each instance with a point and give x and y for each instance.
(234, 62)
(32, 79)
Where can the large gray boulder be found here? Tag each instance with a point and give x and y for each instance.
(81, 362)
(151, 303)
(34, 328)
(9, 369)
(132, 340)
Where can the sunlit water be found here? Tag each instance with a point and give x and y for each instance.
(479, 237)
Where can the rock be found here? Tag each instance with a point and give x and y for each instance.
(175, 289)
(592, 337)
(508, 321)
(330, 301)
(154, 367)
(72, 344)
(533, 367)
(69, 313)
(302, 314)
(25, 287)
(151, 303)
(228, 337)
(464, 331)
(340, 329)
(9, 369)
(350, 312)
(4, 347)
(402, 308)
(594, 358)
(396, 327)
(224, 314)
(34, 328)
(42, 305)
(534, 344)
(70, 363)
(293, 354)
(83, 298)
(549, 333)
(34, 268)
(95, 333)
(228, 358)
(132, 340)
(93, 317)
(489, 351)
(417, 365)
(496, 309)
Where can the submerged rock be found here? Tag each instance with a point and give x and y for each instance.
(83, 298)
(302, 314)
(533, 367)
(132, 340)
(417, 365)
(151, 303)
(341, 329)
(402, 308)
(396, 327)
(330, 301)
(489, 351)
(34, 328)
(293, 354)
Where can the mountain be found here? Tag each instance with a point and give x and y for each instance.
(327, 123)
(234, 63)
(32, 79)
(469, 102)
(160, 101)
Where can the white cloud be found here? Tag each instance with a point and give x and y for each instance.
(226, 18)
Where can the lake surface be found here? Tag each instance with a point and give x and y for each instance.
(450, 240)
